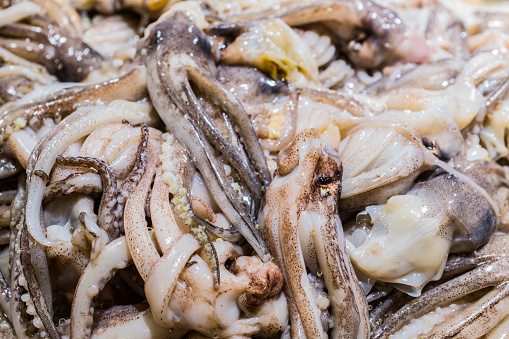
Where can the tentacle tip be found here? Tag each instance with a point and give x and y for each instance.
(217, 284)
(266, 257)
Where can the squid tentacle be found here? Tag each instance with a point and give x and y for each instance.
(168, 79)
(77, 125)
(43, 319)
(114, 194)
(226, 234)
(178, 176)
(449, 291)
(82, 183)
(98, 272)
(239, 117)
(110, 192)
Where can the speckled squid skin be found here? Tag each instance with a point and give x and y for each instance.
(300, 224)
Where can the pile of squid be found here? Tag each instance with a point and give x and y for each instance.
(237, 169)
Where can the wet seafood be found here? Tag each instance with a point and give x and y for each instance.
(253, 169)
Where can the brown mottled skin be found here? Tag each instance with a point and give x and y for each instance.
(312, 183)
(179, 75)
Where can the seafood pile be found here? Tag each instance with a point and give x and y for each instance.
(237, 168)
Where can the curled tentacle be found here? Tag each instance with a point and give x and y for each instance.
(114, 194)
(77, 125)
(110, 192)
(127, 185)
(113, 257)
(82, 183)
(96, 235)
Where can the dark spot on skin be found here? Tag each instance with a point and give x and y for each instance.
(428, 143)
(250, 85)
(270, 86)
(328, 175)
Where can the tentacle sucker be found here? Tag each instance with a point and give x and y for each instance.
(114, 193)
(178, 175)
(77, 125)
(114, 256)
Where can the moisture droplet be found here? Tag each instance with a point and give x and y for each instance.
(370, 307)
(215, 335)
(319, 273)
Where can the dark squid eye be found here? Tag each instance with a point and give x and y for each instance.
(230, 265)
(324, 180)
(428, 143)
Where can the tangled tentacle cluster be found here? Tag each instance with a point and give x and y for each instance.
(325, 170)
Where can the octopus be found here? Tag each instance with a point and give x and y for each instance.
(236, 169)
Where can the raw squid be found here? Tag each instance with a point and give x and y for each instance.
(237, 168)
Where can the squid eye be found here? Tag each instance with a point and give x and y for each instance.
(230, 265)
(428, 143)
(324, 180)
